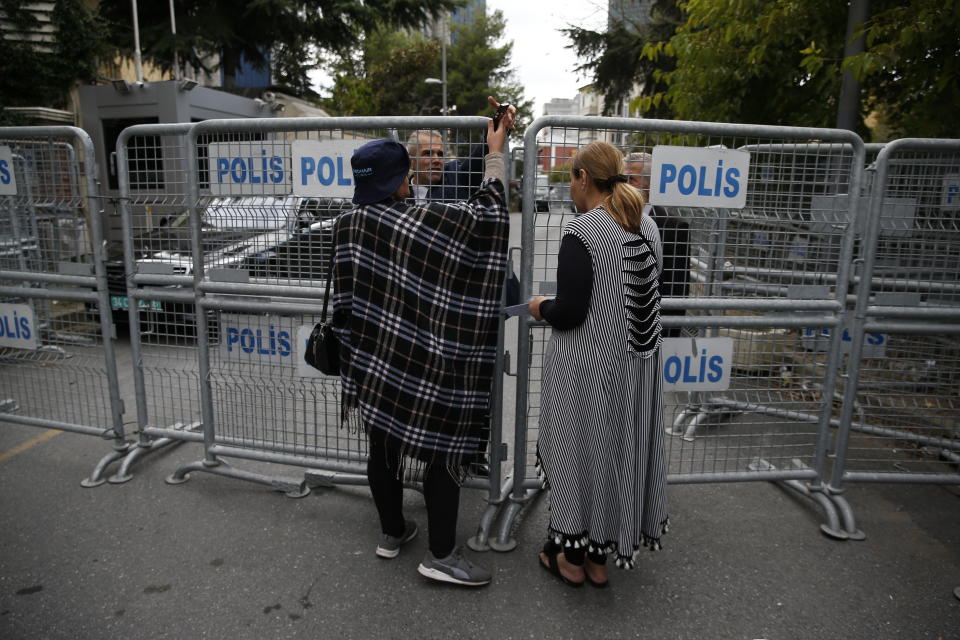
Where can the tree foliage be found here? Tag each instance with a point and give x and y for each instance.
(477, 67)
(615, 59)
(254, 28)
(31, 76)
(386, 74)
(741, 61)
(911, 66)
(781, 62)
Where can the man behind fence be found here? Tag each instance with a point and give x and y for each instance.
(416, 300)
(434, 177)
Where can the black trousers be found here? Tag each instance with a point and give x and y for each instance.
(440, 491)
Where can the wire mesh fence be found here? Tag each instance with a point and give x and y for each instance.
(57, 366)
(833, 285)
(751, 275)
(230, 239)
(901, 422)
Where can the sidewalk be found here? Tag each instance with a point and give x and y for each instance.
(222, 558)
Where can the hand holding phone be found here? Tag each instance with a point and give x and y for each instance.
(501, 110)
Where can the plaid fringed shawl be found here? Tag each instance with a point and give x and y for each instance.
(416, 300)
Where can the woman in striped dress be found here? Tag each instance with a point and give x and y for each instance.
(600, 448)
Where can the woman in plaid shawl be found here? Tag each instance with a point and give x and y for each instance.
(417, 292)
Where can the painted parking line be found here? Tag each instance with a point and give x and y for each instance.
(6, 455)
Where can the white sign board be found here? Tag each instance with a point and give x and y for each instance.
(8, 179)
(245, 169)
(18, 328)
(322, 168)
(696, 364)
(698, 177)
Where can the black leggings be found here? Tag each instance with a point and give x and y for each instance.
(440, 491)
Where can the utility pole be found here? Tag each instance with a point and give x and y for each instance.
(848, 105)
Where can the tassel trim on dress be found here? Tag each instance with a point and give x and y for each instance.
(609, 547)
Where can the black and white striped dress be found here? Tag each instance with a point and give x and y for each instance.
(600, 444)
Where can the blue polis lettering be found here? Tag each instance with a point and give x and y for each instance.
(15, 327)
(690, 178)
(4, 172)
(275, 343)
(245, 171)
(675, 368)
(952, 192)
(875, 339)
(326, 170)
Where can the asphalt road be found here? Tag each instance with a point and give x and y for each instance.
(223, 558)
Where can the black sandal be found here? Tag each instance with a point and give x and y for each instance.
(554, 568)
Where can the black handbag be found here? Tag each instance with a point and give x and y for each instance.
(323, 346)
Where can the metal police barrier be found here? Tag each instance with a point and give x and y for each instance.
(237, 261)
(901, 401)
(149, 286)
(761, 278)
(57, 362)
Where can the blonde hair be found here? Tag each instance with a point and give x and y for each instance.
(604, 164)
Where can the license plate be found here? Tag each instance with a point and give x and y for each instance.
(122, 302)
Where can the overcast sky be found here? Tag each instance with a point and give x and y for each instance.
(544, 66)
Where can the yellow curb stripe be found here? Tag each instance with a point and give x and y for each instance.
(29, 443)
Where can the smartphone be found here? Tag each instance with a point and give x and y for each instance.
(502, 109)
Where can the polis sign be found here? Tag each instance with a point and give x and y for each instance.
(699, 177)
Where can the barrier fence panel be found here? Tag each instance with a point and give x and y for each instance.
(901, 419)
(242, 285)
(57, 362)
(150, 285)
(757, 229)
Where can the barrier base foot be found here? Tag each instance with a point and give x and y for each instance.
(836, 534)
(831, 528)
(846, 514)
(216, 466)
(301, 491)
(95, 479)
(177, 479)
(503, 546)
(123, 473)
(478, 543)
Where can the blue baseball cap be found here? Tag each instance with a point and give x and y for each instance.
(378, 169)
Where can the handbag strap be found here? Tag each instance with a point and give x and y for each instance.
(326, 293)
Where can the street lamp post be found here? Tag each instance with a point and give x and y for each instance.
(444, 36)
(443, 109)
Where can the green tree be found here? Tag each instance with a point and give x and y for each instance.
(385, 75)
(42, 75)
(254, 28)
(756, 61)
(910, 69)
(741, 61)
(616, 61)
(477, 67)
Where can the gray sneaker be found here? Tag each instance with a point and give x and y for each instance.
(455, 569)
(389, 546)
